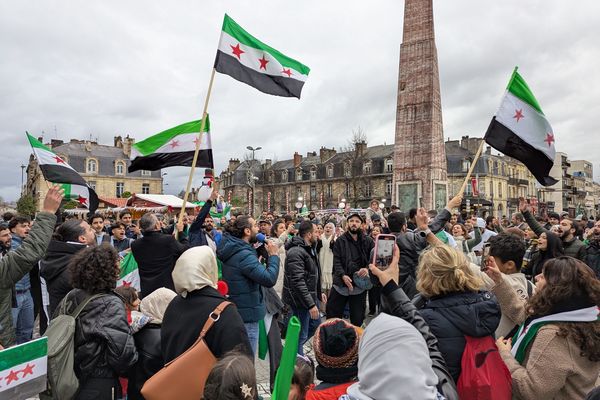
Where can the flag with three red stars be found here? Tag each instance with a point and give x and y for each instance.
(521, 131)
(247, 59)
(23, 370)
(57, 170)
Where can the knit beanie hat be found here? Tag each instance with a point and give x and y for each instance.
(336, 350)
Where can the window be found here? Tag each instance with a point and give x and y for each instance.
(299, 174)
(389, 165)
(146, 173)
(367, 167)
(284, 176)
(313, 173)
(92, 166)
(347, 190)
(271, 176)
(329, 191)
(466, 164)
(388, 188)
(499, 189)
(120, 189)
(367, 189)
(120, 168)
(347, 170)
(145, 188)
(313, 192)
(92, 184)
(330, 171)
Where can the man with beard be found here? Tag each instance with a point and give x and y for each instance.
(568, 232)
(70, 238)
(350, 265)
(199, 233)
(302, 281)
(5, 239)
(244, 274)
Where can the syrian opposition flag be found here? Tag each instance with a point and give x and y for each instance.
(247, 59)
(129, 274)
(173, 147)
(520, 130)
(56, 170)
(23, 370)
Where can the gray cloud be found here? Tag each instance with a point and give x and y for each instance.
(109, 68)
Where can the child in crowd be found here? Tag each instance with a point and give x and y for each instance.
(303, 378)
(232, 378)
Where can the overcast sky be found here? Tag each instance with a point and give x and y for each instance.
(100, 69)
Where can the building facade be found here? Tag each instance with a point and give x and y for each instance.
(103, 167)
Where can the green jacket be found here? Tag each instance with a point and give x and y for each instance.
(15, 264)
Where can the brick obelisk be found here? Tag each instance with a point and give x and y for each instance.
(419, 153)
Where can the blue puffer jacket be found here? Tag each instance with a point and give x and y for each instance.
(453, 316)
(245, 275)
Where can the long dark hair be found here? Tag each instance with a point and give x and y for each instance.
(554, 247)
(570, 284)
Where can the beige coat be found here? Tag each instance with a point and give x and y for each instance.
(553, 367)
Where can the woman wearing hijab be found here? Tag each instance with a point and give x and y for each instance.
(555, 353)
(326, 256)
(195, 278)
(548, 246)
(147, 341)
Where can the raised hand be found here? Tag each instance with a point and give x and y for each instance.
(53, 198)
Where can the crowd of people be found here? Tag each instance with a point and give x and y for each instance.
(528, 288)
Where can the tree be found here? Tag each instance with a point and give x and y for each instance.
(26, 205)
(354, 159)
(126, 195)
(71, 204)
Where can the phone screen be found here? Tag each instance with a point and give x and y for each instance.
(384, 251)
(485, 254)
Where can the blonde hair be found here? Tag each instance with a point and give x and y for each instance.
(444, 270)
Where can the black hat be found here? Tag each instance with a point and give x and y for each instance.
(357, 215)
(375, 217)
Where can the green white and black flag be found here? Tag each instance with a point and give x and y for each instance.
(173, 147)
(23, 370)
(247, 59)
(57, 170)
(520, 130)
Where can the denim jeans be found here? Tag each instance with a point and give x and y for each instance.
(308, 326)
(22, 317)
(252, 331)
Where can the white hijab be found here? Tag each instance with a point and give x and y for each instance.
(196, 268)
(393, 363)
(155, 304)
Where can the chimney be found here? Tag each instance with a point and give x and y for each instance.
(233, 164)
(297, 159)
(360, 148)
(326, 153)
(127, 143)
(311, 154)
(55, 143)
(488, 150)
(267, 164)
(119, 142)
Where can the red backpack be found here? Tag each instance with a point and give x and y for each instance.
(484, 376)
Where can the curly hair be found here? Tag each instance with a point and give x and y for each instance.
(566, 279)
(95, 269)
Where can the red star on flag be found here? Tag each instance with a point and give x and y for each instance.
(59, 160)
(288, 72)
(237, 51)
(197, 141)
(549, 139)
(125, 283)
(12, 376)
(81, 200)
(174, 143)
(28, 370)
(518, 114)
(263, 62)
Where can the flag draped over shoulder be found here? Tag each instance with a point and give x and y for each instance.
(23, 369)
(173, 147)
(520, 130)
(247, 59)
(57, 170)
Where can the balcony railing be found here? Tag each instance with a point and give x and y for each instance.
(517, 181)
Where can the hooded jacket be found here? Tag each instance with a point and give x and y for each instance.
(53, 268)
(244, 275)
(453, 316)
(302, 275)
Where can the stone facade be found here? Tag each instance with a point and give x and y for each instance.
(419, 158)
(103, 167)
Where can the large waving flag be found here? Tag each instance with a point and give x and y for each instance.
(173, 147)
(247, 59)
(56, 170)
(520, 130)
(23, 370)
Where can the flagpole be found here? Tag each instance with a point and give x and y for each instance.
(193, 167)
(471, 168)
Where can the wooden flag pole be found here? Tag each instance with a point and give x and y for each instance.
(193, 167)
(471, 168)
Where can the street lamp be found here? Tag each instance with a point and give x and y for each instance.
(253, 149)
(22, 177)
(162, 183)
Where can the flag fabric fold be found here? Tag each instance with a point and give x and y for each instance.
(128, 272)
(520, 130)
(173, 147)
(247, 59)
(57, 170)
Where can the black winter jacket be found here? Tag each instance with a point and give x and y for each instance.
(397, 303)
(302, 276)
(185, 317)
(53, 268)
(150, 360)
(455, 315)
(592, 257)
(343, 249)
(156, 254)
(104, 346)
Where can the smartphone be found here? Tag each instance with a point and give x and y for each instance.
(485, 254)
(384, 251)
(420, 202)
